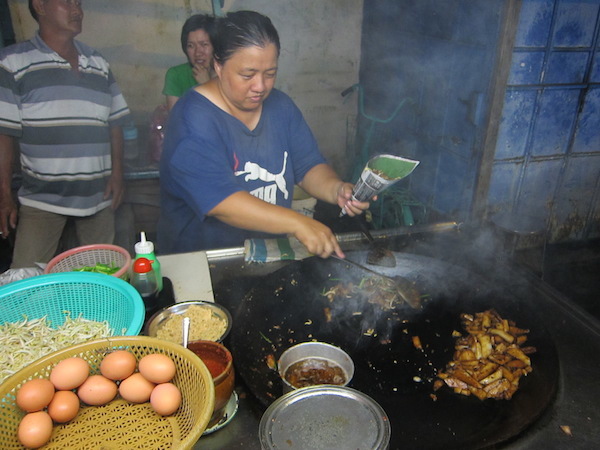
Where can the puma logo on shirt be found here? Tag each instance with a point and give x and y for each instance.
(253, 171)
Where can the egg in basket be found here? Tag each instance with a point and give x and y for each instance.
(119, 423)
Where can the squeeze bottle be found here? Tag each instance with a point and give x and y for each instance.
(143, 279)
(145, 249)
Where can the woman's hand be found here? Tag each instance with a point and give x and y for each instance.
(323, 183)
(317, 238)
(242, 210)
(344, 200)
(201, 73)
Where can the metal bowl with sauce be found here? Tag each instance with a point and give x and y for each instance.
(314, 363)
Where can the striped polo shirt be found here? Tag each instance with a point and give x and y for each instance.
(62, 121)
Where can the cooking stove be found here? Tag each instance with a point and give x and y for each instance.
(570, 420)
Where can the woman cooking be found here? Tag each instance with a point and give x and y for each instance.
(234, 149)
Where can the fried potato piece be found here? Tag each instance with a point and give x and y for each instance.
(503, 334)
(489, 361)
(497, 375)
(416, 340)
(486, 369)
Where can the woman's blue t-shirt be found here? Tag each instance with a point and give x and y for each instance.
(209, 155)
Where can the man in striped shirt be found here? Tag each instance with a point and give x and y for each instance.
(60, 103)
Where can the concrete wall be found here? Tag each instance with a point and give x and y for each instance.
(319, 59)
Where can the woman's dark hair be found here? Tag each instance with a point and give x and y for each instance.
(241, 29)
(197, 22)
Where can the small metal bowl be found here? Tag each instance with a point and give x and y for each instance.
(160, 317)
(314, 350)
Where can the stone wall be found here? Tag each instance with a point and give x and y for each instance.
(319, 59)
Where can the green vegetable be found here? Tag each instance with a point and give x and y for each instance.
(265, 338)
(99, 268)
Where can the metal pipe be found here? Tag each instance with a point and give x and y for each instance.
(400, 231)
(352, 236)
(221, 253)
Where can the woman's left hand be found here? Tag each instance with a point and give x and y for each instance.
(345, 201)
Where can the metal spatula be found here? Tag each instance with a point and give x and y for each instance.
(378, 255)
(404, 288)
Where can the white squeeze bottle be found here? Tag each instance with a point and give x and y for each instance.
(144, 279)
(145, 249)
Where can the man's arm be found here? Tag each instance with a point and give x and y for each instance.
(115, 186)
(171, 100)
(8, 208)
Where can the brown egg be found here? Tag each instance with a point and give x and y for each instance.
(157, 368)
(165, 399)
(35, 394)
(136, 388)
(97, 390)
(64, 406)
(118, 365)
(35, 429)
(70, 373)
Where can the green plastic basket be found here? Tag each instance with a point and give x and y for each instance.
(92, 296)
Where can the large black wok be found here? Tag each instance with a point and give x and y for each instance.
(288, 306)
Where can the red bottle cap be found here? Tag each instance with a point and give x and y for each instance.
(142, 265)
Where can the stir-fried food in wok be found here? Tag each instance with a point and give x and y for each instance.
(382, 291)
(490, 360)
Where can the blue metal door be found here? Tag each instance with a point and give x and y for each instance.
(543, 168)
(546, 165)
(440, 56)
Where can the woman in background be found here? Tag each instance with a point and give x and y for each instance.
(234, 149)
(196, 42)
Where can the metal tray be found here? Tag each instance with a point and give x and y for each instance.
(325, 417)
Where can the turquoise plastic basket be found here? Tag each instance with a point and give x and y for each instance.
(92, 296)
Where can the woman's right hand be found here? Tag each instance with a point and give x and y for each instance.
(201, 73)
(317, 238)
(242, 210)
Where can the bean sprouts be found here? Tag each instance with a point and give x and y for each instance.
(26, 341)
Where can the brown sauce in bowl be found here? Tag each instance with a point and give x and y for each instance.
(314, 371)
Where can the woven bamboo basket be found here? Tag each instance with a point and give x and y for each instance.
(119, 424)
